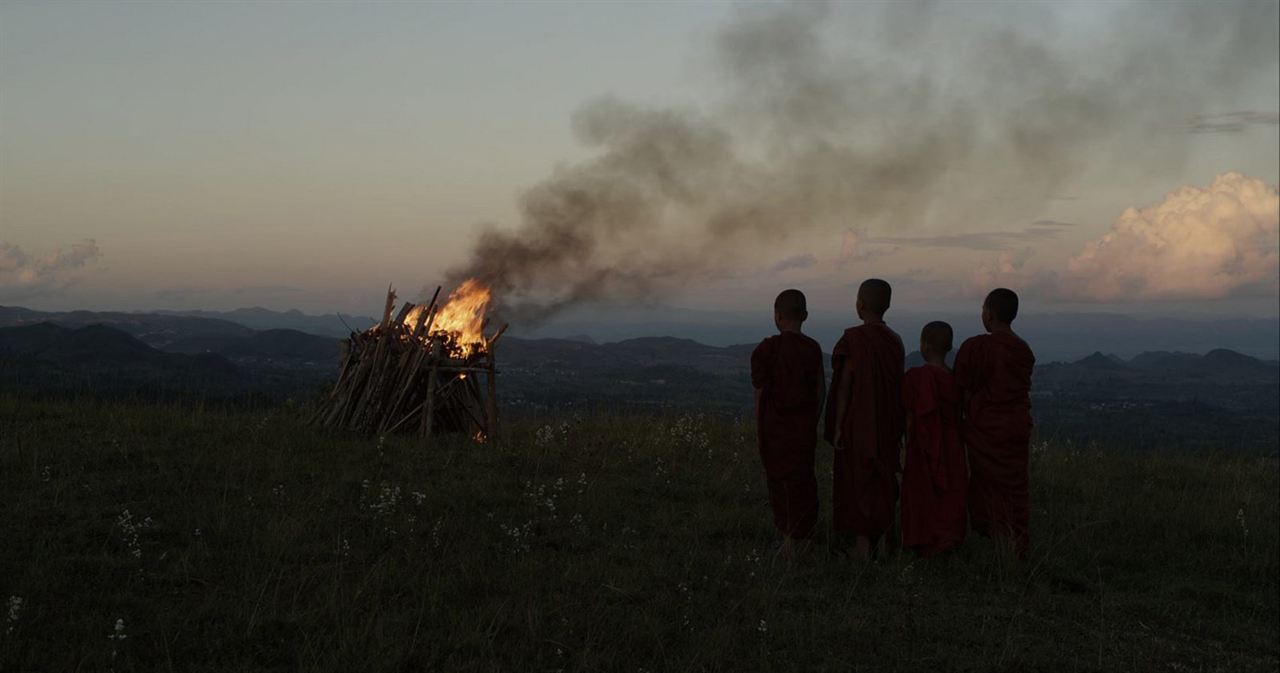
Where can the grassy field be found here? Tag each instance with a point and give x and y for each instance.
(190, 539)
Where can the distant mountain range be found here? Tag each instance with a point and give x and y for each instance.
(101, 359)
(154, 329)
(1154, 398)
(1219, 361)
(1054, 336)
(105, 359)
(331, 324)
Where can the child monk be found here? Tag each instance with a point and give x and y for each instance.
(935, 479)
(790, 384)
(865, 421)
(994, 374)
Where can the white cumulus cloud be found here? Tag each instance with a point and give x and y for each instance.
(23, 275)
(1005, 270)
(1199, 243)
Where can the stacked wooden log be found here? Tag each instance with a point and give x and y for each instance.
(403, 376)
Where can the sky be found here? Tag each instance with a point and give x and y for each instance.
(306, 155)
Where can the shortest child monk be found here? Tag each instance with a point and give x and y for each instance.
(790, 384)
(935, 479)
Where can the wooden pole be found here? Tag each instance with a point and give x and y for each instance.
(422, 319)
(491, 400)
(429, 416)
(404, 382)
(368, 383)
(489, 343)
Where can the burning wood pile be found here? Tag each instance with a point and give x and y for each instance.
(419, 371)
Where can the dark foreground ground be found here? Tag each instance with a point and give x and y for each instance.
(190, 539)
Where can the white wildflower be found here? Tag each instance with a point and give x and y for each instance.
(117, 636)
(15, 609)
(130, 532)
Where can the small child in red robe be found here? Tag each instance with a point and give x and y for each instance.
(935, 479)
(790, 384)
(994, 373)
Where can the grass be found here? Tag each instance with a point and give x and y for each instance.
(252, 543)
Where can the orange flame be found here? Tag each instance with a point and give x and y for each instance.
(461, 317)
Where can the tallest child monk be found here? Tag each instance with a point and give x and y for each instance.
(786, 370)
(865, 421)
(994, 374)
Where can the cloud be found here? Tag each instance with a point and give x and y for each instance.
(1008, 269)
(1052, 223)
(23, 276)
(853, 248)
(982, 240)
(1199, 243)
(1233, 122)
(804, 261)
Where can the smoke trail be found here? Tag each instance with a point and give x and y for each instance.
(924, 116)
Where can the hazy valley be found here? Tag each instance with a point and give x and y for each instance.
(1153, 400)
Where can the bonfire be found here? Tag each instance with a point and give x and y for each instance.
(418, 372)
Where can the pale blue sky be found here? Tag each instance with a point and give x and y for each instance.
(306, 154)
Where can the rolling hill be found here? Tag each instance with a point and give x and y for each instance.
(1156, 399)
(101, 359)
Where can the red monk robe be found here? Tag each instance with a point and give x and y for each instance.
(865, 484)
(935, 479)
(786, 369)
(994, 371)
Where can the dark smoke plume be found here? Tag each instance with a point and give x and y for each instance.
(921, 115)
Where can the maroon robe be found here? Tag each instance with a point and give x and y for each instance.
(994, 371)
(935, 479)
(787, 370)
(865, 484)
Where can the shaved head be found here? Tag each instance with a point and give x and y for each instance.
(1002, 304)
(791, 305)
(874, 295)
(937, 335)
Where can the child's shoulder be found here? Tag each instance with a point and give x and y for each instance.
(930, 381)
(809, 341)
(868, 329)
(766, 344)
(929, 371)
(975, 341)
